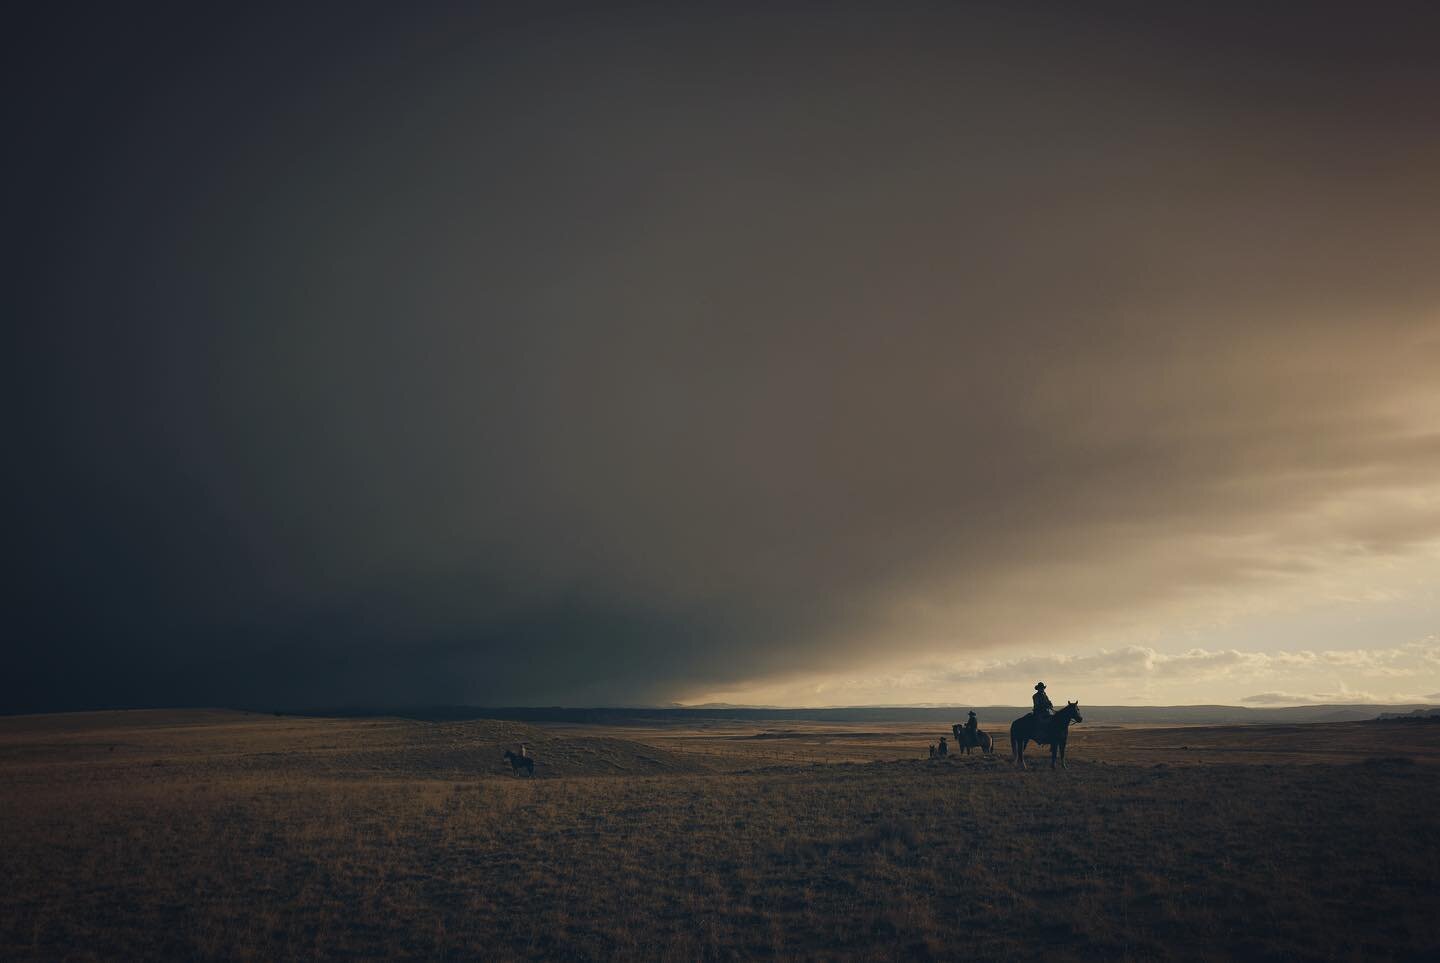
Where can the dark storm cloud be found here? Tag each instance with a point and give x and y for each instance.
(619, 356)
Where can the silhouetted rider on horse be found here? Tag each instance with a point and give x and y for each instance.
(1044, 708)
(970, 726)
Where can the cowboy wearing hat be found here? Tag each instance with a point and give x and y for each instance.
(1043, 705)
(965, 737)
(1043, 708)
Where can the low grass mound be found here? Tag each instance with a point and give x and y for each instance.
(216, 743)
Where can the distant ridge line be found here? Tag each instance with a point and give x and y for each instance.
(1119, 715)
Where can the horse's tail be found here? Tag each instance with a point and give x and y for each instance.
(1018, 737)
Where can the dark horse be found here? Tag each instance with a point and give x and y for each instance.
(981, 740)
(519, 762)
(1054, 732)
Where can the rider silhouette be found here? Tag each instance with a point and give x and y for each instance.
(971, 726)
(1043, 708)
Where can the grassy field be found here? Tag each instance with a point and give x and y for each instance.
(227, 835)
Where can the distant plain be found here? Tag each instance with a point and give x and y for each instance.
(217, 834)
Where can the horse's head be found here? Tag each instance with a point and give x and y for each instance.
(1071, 712)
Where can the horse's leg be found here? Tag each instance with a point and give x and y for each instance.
(1054, 750)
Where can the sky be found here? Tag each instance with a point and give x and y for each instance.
(802, 354)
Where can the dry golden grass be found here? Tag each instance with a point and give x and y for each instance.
(230, 836)
(730, 745)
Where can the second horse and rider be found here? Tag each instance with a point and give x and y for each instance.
(967, 737)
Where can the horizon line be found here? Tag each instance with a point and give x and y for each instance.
(673, 706)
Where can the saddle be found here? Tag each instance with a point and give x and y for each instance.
(1040, 729)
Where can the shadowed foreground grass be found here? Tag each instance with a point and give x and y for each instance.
(882, 860)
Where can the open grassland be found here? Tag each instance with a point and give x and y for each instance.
(727, 745)
(222, 835)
